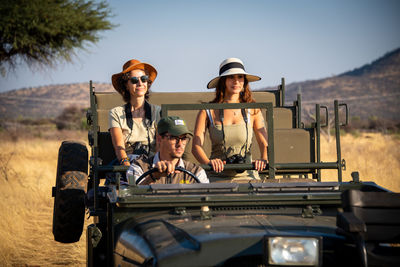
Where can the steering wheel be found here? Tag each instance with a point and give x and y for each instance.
(177, 168)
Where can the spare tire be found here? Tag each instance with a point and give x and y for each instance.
(70, 191)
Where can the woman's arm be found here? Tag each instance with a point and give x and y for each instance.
(198, 142)
(119, 145)
(261, 136)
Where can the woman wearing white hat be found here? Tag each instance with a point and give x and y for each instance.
(231, 130)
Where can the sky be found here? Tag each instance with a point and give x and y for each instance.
(186, 40)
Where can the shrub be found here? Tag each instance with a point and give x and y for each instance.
(71, 119)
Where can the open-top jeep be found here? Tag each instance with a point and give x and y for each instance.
(289, 217)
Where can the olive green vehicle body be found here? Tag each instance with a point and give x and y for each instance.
(232, 224)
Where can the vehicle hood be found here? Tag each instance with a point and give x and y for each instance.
(171, 239)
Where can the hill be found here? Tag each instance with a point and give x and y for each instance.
(372, 90)
(46, 101)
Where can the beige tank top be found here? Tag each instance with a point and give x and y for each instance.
(235, 143)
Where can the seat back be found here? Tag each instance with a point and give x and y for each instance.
(284, 117)
(372, 219)
(106, 101)
(380, 211)
(294, 145)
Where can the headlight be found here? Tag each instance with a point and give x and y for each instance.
(293, 251)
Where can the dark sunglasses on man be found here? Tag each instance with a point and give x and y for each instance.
(135, 80)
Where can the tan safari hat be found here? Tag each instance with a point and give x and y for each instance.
(133, 64)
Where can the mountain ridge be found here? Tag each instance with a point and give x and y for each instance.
(28, 102)
(370, 90)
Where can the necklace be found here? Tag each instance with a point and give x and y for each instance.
(235, 112)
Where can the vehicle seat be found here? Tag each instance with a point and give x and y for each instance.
(372, 220)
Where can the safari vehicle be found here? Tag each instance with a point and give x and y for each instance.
(290, 217)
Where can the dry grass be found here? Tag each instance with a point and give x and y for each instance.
(375, 156)
(27, 173)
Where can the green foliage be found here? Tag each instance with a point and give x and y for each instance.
(396, 136)
(84, 123)
(35, 122)
(373, 123)
(355, 133)
(342, 132)
(44, 32)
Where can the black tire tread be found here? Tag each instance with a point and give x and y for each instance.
(71, 184)
(69, 214)
(73, 180)
(72, 156)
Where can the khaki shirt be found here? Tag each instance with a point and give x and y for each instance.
(141, 132)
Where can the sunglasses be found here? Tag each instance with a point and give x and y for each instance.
(135, 80)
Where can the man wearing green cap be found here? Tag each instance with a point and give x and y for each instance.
(172, 137)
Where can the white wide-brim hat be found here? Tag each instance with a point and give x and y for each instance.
(231, 66)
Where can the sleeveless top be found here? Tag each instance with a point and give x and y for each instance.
(235, 143)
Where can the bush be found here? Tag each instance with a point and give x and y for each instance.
(72, 118)
(35, 122)
(373, 123)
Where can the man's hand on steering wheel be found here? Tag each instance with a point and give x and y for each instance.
(164, 166)
(156, 174)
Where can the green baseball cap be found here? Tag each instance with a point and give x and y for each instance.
(173, 125)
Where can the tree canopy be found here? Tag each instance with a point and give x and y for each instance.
(46, 32)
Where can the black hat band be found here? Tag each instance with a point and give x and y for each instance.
(232, 65)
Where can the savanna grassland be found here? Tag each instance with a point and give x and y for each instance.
(375, 156)
(27, 174)
(28, 169)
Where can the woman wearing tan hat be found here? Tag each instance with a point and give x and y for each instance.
(132, 126)
(231, 130)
